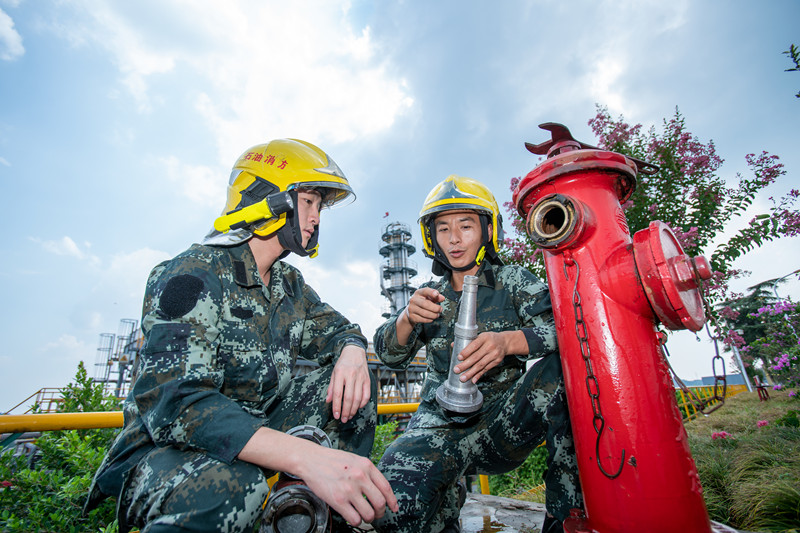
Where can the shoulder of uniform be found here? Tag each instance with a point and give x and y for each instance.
(437, 284)
(518, 276)
(293, 281)
(205, 253)
(288, 269)
(197, 261)
(291, 274)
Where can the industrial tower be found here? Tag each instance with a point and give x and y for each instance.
(116, 356)
(398, 269)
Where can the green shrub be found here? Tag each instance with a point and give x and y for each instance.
(790, 419)
(385, 434)
(49, 494)
(523, 479)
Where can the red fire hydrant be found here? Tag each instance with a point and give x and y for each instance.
(609, 292)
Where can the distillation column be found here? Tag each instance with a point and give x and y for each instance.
(397, 270)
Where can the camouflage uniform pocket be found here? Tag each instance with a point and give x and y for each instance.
(249, 375)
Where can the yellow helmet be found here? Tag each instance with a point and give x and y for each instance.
(459, 193)
(282, 165)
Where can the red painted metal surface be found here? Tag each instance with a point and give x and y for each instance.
(636, 469)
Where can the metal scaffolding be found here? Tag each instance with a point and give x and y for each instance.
(116, 356)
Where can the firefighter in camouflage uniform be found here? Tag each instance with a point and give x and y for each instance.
(462, 230)
(214, 394)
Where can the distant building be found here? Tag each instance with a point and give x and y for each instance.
(730, 379)
(708, 381)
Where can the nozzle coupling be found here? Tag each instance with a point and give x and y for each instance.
(453, 395)
(291, 506)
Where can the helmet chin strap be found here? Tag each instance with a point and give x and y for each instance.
(440, 262)
(291, 237)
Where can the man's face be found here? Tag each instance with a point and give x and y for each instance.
(459, 236)
(309, 203)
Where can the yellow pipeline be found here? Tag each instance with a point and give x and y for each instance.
(395, 408)
(113, 419)
(57, 421)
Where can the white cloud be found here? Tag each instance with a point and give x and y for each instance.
(264, 69)
(65, 247)
(200, 184)
(603, 81)
(132, 267)
(114, 290)
(10, 40)
(4, 162)
(65, 345)
(135, 55)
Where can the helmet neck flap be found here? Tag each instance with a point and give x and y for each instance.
(291, 237)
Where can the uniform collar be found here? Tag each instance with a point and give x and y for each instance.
(245, 272)
(485, 275)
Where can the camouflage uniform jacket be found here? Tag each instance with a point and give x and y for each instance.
(509, 298)
(219, 348)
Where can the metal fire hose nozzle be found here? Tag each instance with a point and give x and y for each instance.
(291, 506)
(453, 395)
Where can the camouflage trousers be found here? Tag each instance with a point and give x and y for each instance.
(184, 490)
(425, 463)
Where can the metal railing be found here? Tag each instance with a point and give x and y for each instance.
(689, 410)
(46, 399)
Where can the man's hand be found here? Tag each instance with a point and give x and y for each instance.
(423, 307)
(349, 389)
(487, 351)
(350, 484)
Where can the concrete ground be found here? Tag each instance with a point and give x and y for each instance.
(482, 513)
(492, 514)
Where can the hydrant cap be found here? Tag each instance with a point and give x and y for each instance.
(576, 162)
(669, 277)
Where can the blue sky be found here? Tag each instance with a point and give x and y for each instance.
(119, 122)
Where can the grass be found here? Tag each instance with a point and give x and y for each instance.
(750, 478)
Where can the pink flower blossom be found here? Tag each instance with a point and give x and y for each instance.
(720, 435)
(792, 394)
(761, 423)
(6, 484)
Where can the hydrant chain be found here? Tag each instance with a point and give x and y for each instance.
(592, 385)
(717, 358)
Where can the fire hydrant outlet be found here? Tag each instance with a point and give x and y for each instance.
(554, 220)
(670, 277)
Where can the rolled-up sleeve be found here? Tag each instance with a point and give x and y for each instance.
(388, 348)
(535, 311)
